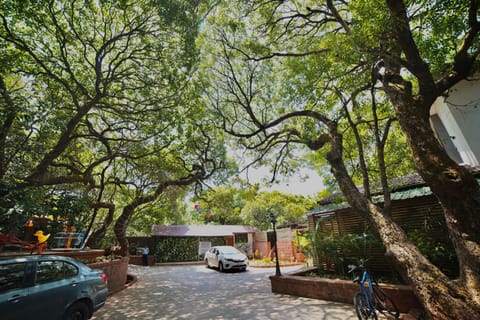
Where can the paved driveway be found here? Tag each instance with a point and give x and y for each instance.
(195, 292)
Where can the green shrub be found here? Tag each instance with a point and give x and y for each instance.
(336, 251)
(176, 249)
(439, 251)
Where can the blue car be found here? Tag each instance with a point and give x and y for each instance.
(49, 287)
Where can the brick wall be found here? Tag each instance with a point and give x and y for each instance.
(338, 290)
(285, 250)
(263, 249)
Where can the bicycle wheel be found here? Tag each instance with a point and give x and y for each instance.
(384, 304)
(361, 307)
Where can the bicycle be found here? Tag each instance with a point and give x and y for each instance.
(371, 298)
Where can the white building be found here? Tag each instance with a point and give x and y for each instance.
(455, 118)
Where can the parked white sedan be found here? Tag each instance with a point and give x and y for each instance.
(226, 258)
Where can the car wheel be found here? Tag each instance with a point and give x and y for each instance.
(220, 267)
(77, 311)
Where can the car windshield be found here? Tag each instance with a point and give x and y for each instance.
(230, 250)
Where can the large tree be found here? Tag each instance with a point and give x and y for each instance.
(249, 206)
(98, 95)
(288, 209)
(298, 73)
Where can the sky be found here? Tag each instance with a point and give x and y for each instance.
(293, 185)
(297, 184)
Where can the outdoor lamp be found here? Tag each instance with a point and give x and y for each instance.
(273, 220)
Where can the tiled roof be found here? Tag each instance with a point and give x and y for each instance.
(206, 230)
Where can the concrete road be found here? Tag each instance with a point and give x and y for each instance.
(195, 292)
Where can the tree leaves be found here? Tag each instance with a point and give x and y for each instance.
(102, 94)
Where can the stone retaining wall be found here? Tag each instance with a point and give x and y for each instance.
(116, 271)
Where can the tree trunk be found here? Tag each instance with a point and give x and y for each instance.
(6, 125)
(196, 174)
(455, 187)
(121, 227)
(441, 297)
(99, 233)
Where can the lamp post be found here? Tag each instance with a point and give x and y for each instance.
(273, 220)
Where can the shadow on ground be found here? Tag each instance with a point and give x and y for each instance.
(195, 292)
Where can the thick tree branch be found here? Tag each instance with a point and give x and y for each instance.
(467, 54)
(284, 54)
(414, 62)
(6, 125)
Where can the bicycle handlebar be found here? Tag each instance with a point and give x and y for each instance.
(361, 267)
(352, 268)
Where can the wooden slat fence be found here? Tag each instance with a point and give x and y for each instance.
(411, 214)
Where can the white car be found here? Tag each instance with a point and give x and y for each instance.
(226, 258)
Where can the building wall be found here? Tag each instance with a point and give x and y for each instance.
(285, 244)
(251, 237)
(262, 243)
(244, 242)
(285, 251)
(261, 249)
(459, 112)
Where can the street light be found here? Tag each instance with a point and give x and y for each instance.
(273, 220)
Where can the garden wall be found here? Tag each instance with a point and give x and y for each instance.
(138, 260)
(297, 284)
(116, 271)
(85, 256)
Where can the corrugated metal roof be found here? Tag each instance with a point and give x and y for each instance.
(199, 230)
(405, 194)
(399, 195)
(329, 207)
(411, 193)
